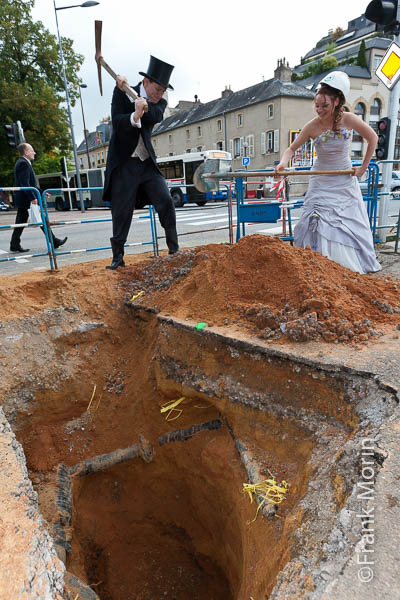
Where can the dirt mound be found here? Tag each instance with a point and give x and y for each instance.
(269, 287)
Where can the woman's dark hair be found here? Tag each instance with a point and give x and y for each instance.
(327, 90)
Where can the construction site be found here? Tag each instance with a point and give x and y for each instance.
(218, 424)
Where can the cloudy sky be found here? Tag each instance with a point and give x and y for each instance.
(212, 44)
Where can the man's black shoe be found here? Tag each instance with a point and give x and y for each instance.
(19, 249)
(58, 243)
(117, 262)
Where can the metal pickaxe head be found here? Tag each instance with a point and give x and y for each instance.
(102, 63)
(97, 33)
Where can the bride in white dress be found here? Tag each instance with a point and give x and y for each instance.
(334, 220)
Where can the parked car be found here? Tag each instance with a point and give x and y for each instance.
(3, 206)
(394, 187)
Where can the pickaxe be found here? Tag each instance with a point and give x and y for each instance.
(102, 63)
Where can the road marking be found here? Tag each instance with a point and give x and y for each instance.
(223, 220)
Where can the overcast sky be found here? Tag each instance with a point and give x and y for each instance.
(212, 44)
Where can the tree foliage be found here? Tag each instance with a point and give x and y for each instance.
(328, 62)
(31, 83)
(362, 56)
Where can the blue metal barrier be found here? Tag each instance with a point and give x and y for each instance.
(85, 221)
(44, 223)
(270, 212)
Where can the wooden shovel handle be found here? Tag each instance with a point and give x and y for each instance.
(343, 172)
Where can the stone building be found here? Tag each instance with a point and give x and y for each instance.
(368, 97)
(254, 122)
(98, 142)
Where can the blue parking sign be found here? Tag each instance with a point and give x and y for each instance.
(245, 161)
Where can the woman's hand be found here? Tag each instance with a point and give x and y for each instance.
(281, 167)
(359, 171)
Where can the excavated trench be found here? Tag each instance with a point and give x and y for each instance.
(143, 507)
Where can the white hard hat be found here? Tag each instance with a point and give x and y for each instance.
(337, 80)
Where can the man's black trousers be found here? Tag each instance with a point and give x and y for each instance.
(22, 216)
(125, 183)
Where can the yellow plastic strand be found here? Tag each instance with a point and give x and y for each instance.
(170, 408)
(91, 399)
(97, 405)
(137, 296)
(268, 491)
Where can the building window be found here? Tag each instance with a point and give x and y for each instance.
(219, 125)
(199, 148)
(240, 120)
(377, 60)
(270, 141)
(270, 111)
(154, 140)
(199, 132)
(220, 145)
(81, 163)
(170, 139)
(236, 147)
(102, 157)
(188, 150)
(376, 108)
(360, 110)
(188, 134)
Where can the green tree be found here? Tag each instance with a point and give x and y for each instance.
(328, 62)
(362, 56)
(31, 84)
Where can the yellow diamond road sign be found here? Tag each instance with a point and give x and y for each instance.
(389, 68)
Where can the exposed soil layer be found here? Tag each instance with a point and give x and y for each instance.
(86, 370)
(269, 287)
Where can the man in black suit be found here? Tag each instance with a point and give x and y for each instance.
(133, 178)
(24, 176)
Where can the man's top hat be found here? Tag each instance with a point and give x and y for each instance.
(159, 71)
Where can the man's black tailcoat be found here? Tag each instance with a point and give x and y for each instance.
(125, 137)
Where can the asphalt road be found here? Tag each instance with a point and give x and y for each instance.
(196, 226)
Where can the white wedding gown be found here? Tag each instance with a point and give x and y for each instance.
(334, 220)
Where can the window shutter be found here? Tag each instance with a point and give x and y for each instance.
(263, 142)
(241, 146)
(231, 147)
(250, 143)
(276, 140)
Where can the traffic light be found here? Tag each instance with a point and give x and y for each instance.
(384, 14)
(382, 147)
(11, 134)
(63, 166)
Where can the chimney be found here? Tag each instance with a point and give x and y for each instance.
(283, 71)
(226, 92)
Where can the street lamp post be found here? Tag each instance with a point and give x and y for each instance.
(85, 132)
(78, 176)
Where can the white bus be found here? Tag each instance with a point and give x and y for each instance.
(179, 170)
(66, 200)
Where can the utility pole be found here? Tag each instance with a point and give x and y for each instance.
(386, 14)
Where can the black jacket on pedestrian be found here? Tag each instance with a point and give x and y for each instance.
(125, 137)
(24, 176)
